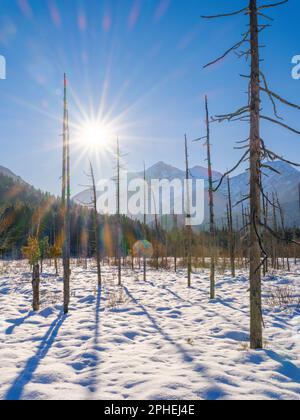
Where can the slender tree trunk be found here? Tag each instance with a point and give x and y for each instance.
(66, 203)
(56, 266)
(256, 337)
(211, 208)
(119, 216)
(36, 287)
(145, 221)
(96, 227)
(188, 217)
(231, 233)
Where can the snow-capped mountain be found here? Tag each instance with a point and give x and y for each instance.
(163, 171)
(283, 180)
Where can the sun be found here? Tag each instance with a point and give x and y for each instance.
(93, 134)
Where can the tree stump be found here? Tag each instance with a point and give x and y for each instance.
(36, 287)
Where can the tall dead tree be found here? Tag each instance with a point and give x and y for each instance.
(257, 153)
(118, 180)
(211, 206)
(145, 220)
(231, 231)
(96, 226)
(188, 226)
(212, 226)
(66, 201)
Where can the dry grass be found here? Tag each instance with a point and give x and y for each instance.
(283, 297)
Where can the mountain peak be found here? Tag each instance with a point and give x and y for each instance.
(201, 172)
(7, 172)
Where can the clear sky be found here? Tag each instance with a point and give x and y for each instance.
(138, 65)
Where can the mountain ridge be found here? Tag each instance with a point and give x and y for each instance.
(7, 172)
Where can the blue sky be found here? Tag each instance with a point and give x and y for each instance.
(141, 60)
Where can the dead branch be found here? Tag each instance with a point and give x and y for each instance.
(293, 130)
(266, 89)
(242, 201)
(265, 16)
(237, 12)
(233, 48)
(232, 115)
(233, 169)
(273, 156)
(279, 98)
(264, 165)
(267, 6)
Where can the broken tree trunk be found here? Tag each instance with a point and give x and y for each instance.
(36, 287)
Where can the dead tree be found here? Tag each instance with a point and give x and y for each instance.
(145, 220)
(96, 226)
(212, 227)
(283, 229)
(118, 158)
(257, 153)
(188, 215)
(231, 231)
(66, 201)
(36, 287)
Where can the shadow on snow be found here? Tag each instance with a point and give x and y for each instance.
(17, 388)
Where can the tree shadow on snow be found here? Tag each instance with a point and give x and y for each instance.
(185, 355)
(187, 358)
(94, 358)
(17, 388)
(287, 368)
(17, 323)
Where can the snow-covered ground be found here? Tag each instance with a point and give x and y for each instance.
(153, 340)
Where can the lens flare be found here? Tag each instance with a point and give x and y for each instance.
(92, 135)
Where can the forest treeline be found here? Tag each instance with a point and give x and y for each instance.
(25, 210)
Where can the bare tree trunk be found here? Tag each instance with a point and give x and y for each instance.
(119, 216)
(36, 287)
(56, 266)
(284, 234)
(156, 252)
(211, 208)
(256, 338)
(145, 221)
(188, 217)
(274, 241)
(266, 215)
(96, 227)
(66, 202)
(231, 233)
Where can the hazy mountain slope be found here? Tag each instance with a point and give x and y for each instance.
(7, 172)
